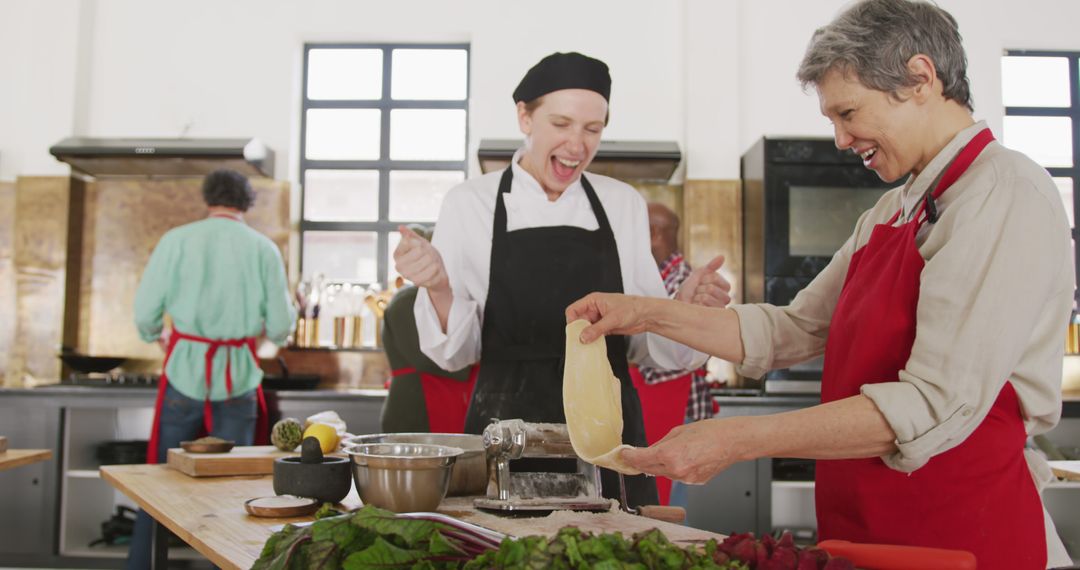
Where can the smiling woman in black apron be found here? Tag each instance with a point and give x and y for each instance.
(513, 249)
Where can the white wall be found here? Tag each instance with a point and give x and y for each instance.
(208, 68)
(38, 71)
(770, 98)
(712, 74)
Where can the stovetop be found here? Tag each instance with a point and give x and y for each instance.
(145, 380)
(111, 379)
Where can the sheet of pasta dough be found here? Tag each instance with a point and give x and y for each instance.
(592, 402)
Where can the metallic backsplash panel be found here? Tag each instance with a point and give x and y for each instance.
(124, 221)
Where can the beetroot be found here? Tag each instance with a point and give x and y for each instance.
(745, 550)
(786, 540)
(784, 558)
(815, 556)
(770, 553)
(761, 553)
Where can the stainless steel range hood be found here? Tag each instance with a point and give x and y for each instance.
(100, 157)
(638, 161)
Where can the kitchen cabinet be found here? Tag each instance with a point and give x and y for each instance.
(26, 496)
(61, 503)
(741, 498)
(1062, 498)
(736, 500)
(86, 501)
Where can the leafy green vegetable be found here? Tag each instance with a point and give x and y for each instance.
(573, 549)
(367, 538)
(327, 510)
(342, 533)
(384, 554)
(372, 538)
(281, 547)
(411, 531)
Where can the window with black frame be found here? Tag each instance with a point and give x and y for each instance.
(1041, 93)
(384, 130)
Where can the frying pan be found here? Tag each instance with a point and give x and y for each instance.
(87, 364)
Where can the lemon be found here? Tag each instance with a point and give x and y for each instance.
(327, 436)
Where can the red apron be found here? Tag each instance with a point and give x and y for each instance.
(446, 399)
(262, 433)
(977, 496)
(663, 407)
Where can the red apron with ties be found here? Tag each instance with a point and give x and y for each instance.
(262, 432)
(978, 496)
(663, 407)
(446, 399)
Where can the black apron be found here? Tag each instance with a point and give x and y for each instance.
(535, 274)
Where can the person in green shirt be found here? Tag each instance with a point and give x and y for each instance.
(224, 286)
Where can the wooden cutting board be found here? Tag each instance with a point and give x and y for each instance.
(3, 444)
(240, 460)
(1069, 470)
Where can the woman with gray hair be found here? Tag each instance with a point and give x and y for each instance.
(942, 318)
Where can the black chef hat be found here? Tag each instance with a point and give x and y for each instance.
(564, 71)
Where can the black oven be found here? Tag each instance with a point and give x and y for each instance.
(801, 199)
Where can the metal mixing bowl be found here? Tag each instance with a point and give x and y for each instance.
(402, 477)
(469, 474)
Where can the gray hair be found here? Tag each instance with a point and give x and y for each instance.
(874, 39)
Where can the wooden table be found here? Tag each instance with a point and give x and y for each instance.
(19, 457)
(208, 513)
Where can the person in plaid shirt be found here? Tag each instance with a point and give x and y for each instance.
(674, 269)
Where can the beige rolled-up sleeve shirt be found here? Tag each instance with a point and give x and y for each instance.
(994, 300)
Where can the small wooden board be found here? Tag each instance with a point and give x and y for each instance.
(1068, 470)
(3, 444)
(241, 460)
(281, 506)
(207, 447)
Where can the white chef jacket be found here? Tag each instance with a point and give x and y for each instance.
(463, 237)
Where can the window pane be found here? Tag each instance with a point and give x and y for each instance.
(1065, 188)
(429, 74)
(1035, 81)
(427, 134)
(394, 238)
(344, 74)
(1047, 140)
(341, 255)
(341, 195)
(417, 195)
(343, 134)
